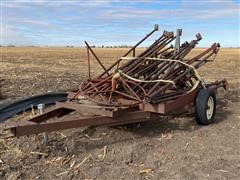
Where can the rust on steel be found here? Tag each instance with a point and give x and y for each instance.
(29, 127)
(156, 81)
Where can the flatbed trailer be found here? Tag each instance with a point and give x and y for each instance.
(111, 116)
(156, 82)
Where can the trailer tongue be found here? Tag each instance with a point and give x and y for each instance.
(134, 89)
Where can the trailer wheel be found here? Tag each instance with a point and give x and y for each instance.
(205, 106)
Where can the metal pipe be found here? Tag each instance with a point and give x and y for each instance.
(156, 27)
(96, 58)
(88, 58)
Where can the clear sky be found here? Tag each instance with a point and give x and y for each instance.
(117, 22)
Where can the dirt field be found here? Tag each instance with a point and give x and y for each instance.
(174, 147)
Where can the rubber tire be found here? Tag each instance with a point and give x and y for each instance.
(201, 106)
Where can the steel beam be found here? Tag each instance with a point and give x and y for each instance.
(23, 128)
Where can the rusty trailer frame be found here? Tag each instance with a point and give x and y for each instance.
(104, 116)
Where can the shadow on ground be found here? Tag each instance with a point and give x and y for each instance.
(183, 122)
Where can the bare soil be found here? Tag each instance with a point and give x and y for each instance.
(173, 147)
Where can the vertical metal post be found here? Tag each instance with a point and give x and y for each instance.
(88, 58)
(177, 41)
(105, 70)
(134, 52)
(40, 110)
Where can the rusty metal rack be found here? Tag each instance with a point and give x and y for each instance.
(136, 88)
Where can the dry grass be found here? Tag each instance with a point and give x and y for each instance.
(27, 71)
(174, 147)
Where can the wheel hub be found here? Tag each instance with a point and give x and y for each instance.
(210, 107)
